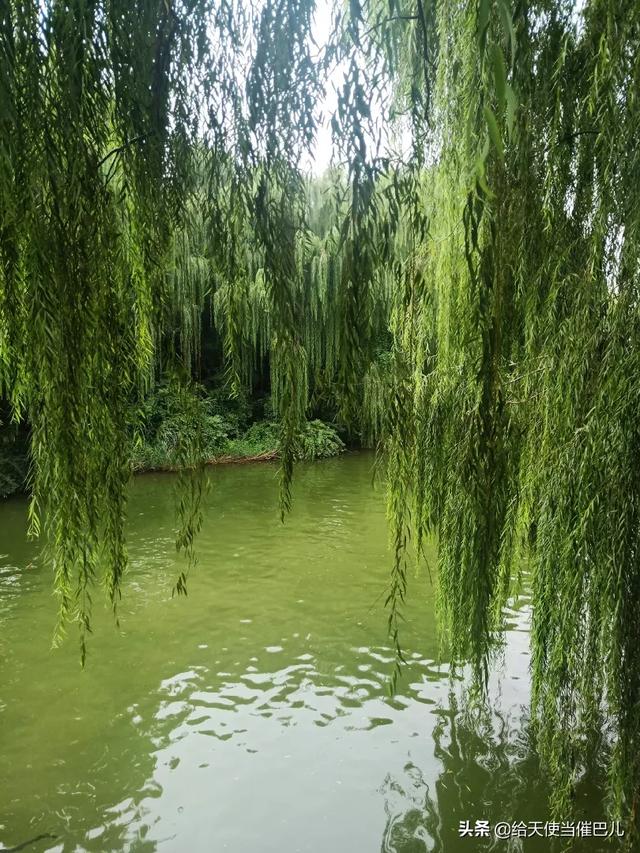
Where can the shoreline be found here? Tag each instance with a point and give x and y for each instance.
(227, 459)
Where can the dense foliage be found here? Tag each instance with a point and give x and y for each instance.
(226, 432)
(463, 289)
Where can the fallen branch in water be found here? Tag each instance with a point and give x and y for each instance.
(265, 456)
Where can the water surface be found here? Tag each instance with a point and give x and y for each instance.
(254, 715)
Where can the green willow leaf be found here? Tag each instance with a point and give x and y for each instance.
(494, 131)
(499, 75)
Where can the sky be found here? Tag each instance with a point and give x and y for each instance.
(319, 159)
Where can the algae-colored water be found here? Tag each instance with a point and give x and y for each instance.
(254, 714)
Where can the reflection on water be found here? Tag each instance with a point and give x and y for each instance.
(254, 715)
(488, 771)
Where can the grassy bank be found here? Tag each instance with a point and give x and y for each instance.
(258, 444)
(174, 428)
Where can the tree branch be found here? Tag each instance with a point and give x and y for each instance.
(389, 20)
(120, 148)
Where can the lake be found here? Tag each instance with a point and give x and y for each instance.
(254, 714)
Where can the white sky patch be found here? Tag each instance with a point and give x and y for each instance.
(318, 160)
(380, 136)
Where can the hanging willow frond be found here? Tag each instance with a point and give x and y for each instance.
(522, 426)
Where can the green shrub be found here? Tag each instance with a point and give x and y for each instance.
(320, 440)
(177, 421)
(206, 426)
(236, 412)
(261, 437)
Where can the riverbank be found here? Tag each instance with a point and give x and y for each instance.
(174, 428)
(259, 443)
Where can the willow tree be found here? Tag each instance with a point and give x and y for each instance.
(105, 109)
(500, 225)
(513, 427)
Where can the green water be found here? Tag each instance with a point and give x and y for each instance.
(253, 715)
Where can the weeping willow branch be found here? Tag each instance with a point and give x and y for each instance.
(120, 148)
